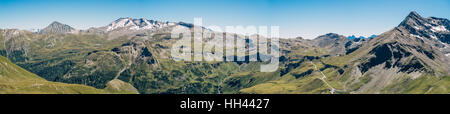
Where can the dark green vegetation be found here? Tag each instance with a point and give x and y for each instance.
(14, 79)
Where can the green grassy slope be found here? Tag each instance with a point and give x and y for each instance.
(16, 80)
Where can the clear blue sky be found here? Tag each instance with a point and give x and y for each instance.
(306, 18)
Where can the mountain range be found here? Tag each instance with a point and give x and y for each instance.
(133, 56)
(361, 37)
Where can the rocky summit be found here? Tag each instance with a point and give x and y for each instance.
(57, 28)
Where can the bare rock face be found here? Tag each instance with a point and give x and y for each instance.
(329, 39)
(396, 49)
(135, 51)
(57, 28)
(434, 31)
(411, 50)
(412, 46)
(15, 45)
(335, 43)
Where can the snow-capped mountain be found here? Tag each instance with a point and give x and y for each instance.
(432, 30)
(136, 24)
(432, 27)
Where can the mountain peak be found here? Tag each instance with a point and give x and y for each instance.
(124, 18)
(413, 14)
(57, 27)
(56, 23)
(413, 19)
(331, 35)
(129, 23)
(432, 28)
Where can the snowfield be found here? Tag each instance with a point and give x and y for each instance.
(439, 29)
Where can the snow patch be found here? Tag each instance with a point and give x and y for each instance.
(417, 28)
(439, 28)
(137, 24)
(433, 36)
(415, 75)
(170, 24)
(445, 45)
(16, 32)
(123, 22)
(417, 36)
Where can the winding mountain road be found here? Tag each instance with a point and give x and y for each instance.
(332, 90)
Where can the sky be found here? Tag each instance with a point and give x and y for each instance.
(305, 18)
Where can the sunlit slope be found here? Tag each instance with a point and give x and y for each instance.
(16, 80)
